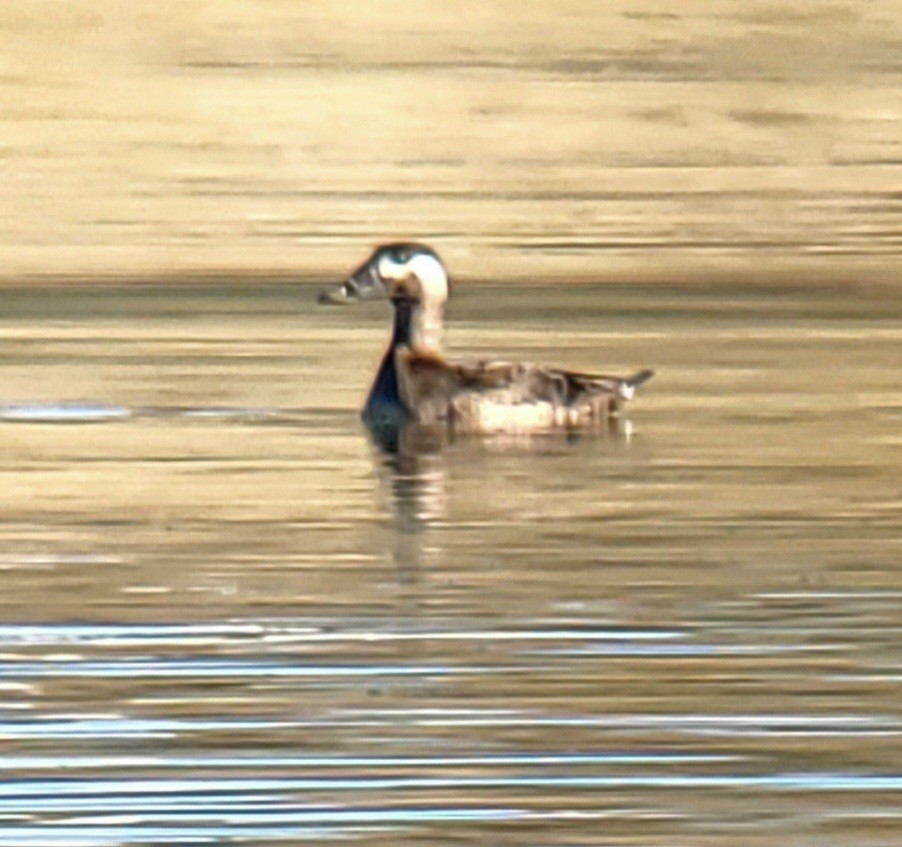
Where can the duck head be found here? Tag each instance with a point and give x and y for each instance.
(413, 277)
(402, 270)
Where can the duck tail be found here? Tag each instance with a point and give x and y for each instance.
(629, 385)
(638, 378)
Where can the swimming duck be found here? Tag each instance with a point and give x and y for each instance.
(416, 383)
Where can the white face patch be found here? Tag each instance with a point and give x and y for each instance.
(390, 270)
(426, 269)
(433, 280)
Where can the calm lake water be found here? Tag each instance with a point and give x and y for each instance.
(227, 617)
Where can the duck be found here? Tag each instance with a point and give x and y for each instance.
(415, 382)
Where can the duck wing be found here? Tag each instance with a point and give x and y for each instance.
(591, 383)
(434, 389)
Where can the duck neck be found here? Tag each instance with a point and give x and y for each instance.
(418, 326)
(415, 327)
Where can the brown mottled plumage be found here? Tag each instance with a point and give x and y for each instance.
(505, 396)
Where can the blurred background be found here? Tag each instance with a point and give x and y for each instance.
(712, 140)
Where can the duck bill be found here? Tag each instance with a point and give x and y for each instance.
(364, 284)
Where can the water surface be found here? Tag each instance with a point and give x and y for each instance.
(225, 616)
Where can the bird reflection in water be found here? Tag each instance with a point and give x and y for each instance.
(413, 463)
(410, 468)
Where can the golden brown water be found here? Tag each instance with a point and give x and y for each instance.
(713, 140)
(226, 617)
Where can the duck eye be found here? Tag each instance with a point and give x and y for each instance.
(400, 257)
